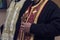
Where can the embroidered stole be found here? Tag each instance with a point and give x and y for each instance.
(12, 16)
(31, 15)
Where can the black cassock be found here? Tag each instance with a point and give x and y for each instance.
(48, 24)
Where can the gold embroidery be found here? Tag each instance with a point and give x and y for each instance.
(41, 8)
(34, 11)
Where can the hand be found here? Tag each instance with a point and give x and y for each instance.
(26, 26)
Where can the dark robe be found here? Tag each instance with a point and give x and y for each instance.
(48, 24)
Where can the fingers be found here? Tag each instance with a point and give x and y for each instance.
(22, 23)
(22, 27)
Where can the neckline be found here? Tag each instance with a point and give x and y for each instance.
(37, 4)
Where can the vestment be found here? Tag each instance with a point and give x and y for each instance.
(48, 24)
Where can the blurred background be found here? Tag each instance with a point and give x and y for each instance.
(3, 14)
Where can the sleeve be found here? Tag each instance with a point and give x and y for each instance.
(52, 28)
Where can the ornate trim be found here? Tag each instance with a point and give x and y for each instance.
(40, 10)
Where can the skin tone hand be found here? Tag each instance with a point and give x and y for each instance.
(26, 26)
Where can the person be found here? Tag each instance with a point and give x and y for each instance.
(48, 21)
(44, 24)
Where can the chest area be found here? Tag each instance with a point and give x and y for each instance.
(31, 14)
